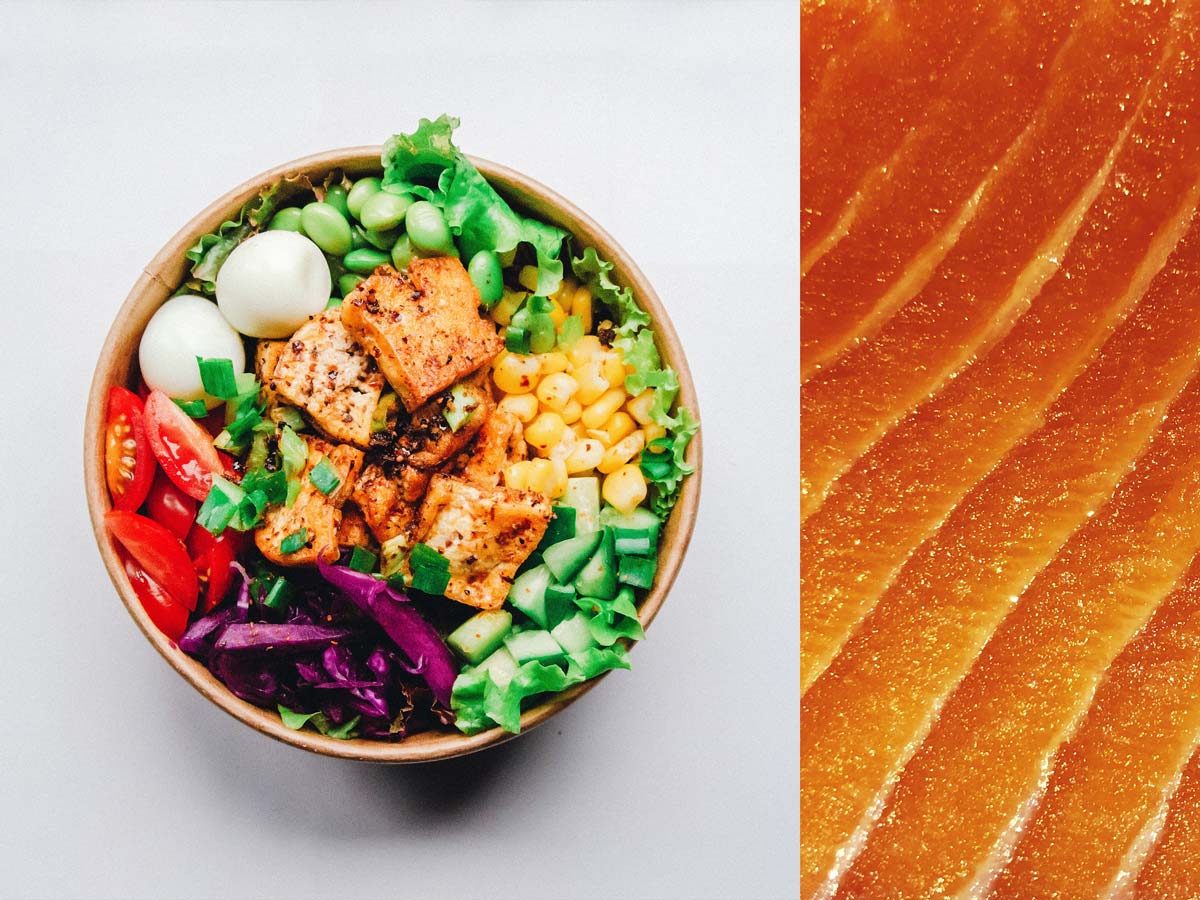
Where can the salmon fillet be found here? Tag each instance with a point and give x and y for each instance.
(829, 31)
(1173, 870)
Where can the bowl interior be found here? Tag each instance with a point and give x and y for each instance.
(118, 366)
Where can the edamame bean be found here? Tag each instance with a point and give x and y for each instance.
(383, 210)
(381, 240)
(287, 219)
(363, 188)
(427, 228)
(484, 270)
(348, 283)
(396, 189)
(402, 252)
(327, 227)
(358, 238)
(541, 333)
(336, 197)
(365, 260)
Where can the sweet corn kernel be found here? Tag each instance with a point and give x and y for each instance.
(557, 314)
(595, 415)
(585, 456)
(619, 425)
(585, 349)
(518, 475)
(523, 406)
(613, 368)
(558, 475)
(528, 277)
(553, 362)
(562, 449)
(639, 406)
(556, 390)
(621, 452)
(545, 476)
(503, 311)
(625, 488)
(545, 431)
(581, 305)
(592, 383)
(653, 431)
(563, 293)
(516, 374)
(572, 411)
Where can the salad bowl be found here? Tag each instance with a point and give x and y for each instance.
(117, 366)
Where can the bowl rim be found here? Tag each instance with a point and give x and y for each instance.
(161, 277)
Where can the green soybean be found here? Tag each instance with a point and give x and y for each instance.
(427, 228)
(363, 188)
(348, 283)
(383, 210)
(541, 333)
(402, 252)
(484, 270)
(287, 219)
(327, 227)
(381, 240)
(365, 260)
(396, 189)
(336, 197)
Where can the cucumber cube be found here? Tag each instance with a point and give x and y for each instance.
(573, 634)
(598, 577)
(477, 637)
(528, 593)
(637, 571)
(583, 495)
(501, 666)
(566, 558)
(561, 527)
(634, 542)
(638, 519)
(536, 646)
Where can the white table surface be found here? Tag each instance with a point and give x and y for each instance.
(675, 126)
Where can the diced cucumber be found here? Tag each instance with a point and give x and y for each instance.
(501, 666)
(573, 634)
(561, 527)
(583, 495)
(534, 645)
(528, 593)
(637, 571)
(566, 558)
(633, 542)
(477, 637)
(639, 519)
(598, 577)
(560, 599)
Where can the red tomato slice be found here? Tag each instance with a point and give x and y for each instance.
(168, 616)
(212, 557)
(158, 552)
(183, 448)
(128, 463)
(168, 505)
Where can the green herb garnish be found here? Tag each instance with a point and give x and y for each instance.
(294, 541)
(324, 476)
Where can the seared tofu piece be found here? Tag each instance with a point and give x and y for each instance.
(318, 513)
(326, 374)
(486, 533)
(422, 326)
(390, 503)
(353, 530)
(501, 442)
(266, 357)
(427, 441)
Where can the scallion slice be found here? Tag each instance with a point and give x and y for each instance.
(218, 377)
(194, 408)
(362, 560)
(294, 541)
(324, 476)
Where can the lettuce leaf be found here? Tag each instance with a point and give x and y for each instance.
(666, 469)
(428, 164)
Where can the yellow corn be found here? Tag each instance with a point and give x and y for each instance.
(572, 411)
(585, 456)
(592, 383)
(516, 374)
(625, 488)
(653, 431)
(518, 475)
(563, 293)
(546, 476)
(618, 426)
(558, 475)
(581, 305)
(563, 447)
(553, 362)
(585, 349)
(523, 406)
(528, 277)
(595, 415)
(621, 452)
(556, 390)
(639, 406)
(613, 368)
(557, 314)
(545, 431)
(503, 311)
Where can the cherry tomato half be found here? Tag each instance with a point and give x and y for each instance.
(212, 557)
(128, 463)
(168, 505)
(168, 616)
(158, 552)
(183, 448)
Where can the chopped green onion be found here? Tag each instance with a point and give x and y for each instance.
(194, 408)
(218, 377)
(460, 407)
(633, 542)
(539, 304)
(424, 556)
(383, 411)
(571, 332)
(324, 476)
(516, 339)
(362, 560)
(428, 580)
(220, 506)
(394, 551)
(272, 484)
(637, 571)
(290, 416)
(294, 451)
(541, 333)
(294, 541)
(279, 594)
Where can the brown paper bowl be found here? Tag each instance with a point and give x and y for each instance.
(117, 365)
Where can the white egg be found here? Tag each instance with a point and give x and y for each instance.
(272, 282)
(183, 328)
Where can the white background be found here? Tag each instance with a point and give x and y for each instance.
(675, 126)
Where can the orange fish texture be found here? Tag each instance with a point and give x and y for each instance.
(1000, 449)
